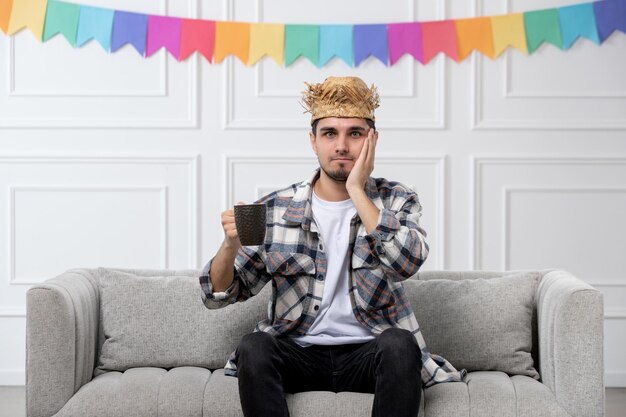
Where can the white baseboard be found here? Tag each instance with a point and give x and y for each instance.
(615, 379)
(13, 378)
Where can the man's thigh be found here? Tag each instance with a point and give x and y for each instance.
(304, 368)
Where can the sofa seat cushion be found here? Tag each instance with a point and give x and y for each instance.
(492, 394)
(221, 399)
(140, 392)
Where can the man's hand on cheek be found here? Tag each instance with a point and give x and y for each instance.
(364, 165)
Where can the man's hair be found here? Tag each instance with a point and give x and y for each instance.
(370, 123)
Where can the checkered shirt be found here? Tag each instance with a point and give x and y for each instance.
(293, 258)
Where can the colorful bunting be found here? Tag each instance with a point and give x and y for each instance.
(302, 40)
(61, 18)
(266, 39)
(370, 40)
(577, 20)
(335, 40)
(163, 31)
(404, 38)
(439, 37)
(5, 14)
(129, 28)
(508, 30)
(284, 43)
(474, 34)
(610, 16)
(542, 25)
(197, 36)
(30, 14)
(95, 23)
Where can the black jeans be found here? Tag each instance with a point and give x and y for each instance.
(388, 366)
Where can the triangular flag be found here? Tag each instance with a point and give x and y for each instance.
(30, 14)
(5, 14)
(163, 31)
(610, 16)
(404, 38)
(474, 33)
(335, 40)
(542, 26)
(232, 38)
(61, 18)
(197, 35)
(439, 37)
(129, 28)
(97, 23)
(578, 20)
(267, 39)
(370, 40)
(508, 30)
(302, 40)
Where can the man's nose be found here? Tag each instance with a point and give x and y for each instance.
(341, 144)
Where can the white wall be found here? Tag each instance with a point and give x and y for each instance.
(111, 159)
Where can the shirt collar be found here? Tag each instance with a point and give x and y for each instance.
(299, 209)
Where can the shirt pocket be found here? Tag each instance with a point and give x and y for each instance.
(292, 274)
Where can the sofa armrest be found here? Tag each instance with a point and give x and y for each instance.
(571, 330)
(62, 317)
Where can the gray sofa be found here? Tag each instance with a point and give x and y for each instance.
(110, 342)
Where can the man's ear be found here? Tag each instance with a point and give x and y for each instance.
(313, 143)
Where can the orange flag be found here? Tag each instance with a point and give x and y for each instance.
(5, 14)
(473, 34)
(232, 38)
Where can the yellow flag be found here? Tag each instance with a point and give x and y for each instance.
(5, 14)
(231, 38)
(267, 39)
(30, 14)
(508, 30)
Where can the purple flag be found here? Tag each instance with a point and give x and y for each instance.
(163, 31)
(129, 28)
(404, 38)
(370, 40)
(610, 16)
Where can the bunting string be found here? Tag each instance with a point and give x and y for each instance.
(319, 43)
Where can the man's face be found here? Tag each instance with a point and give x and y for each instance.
(338, 144)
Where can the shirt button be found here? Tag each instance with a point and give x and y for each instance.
(321, 247)
(320, 277)
(316, 308)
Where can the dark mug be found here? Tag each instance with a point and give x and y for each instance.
(250, 222)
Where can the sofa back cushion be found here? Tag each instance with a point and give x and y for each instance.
(481, 323)
(478, 321)
(157, 318)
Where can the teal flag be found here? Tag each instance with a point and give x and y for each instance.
(302, 40)
(335, 40)
(578, 20)
(542, 25)
(95, 23)
(61, 18)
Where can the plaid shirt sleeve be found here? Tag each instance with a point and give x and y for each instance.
(250, 275)
(398, 243)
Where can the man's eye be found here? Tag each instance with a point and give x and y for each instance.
(329, 134)
(356, 134)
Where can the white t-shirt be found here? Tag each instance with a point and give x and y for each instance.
(335, 323)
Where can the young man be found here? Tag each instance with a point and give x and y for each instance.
(337, 249)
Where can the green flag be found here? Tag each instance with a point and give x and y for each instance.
(302, 40)
(61, 18)
(542, 25)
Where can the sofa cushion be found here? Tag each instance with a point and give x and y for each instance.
(479, 324)
(141, 392)
(160, 321)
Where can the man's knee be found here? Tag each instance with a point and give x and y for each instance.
(254, 344)
(400, 344)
